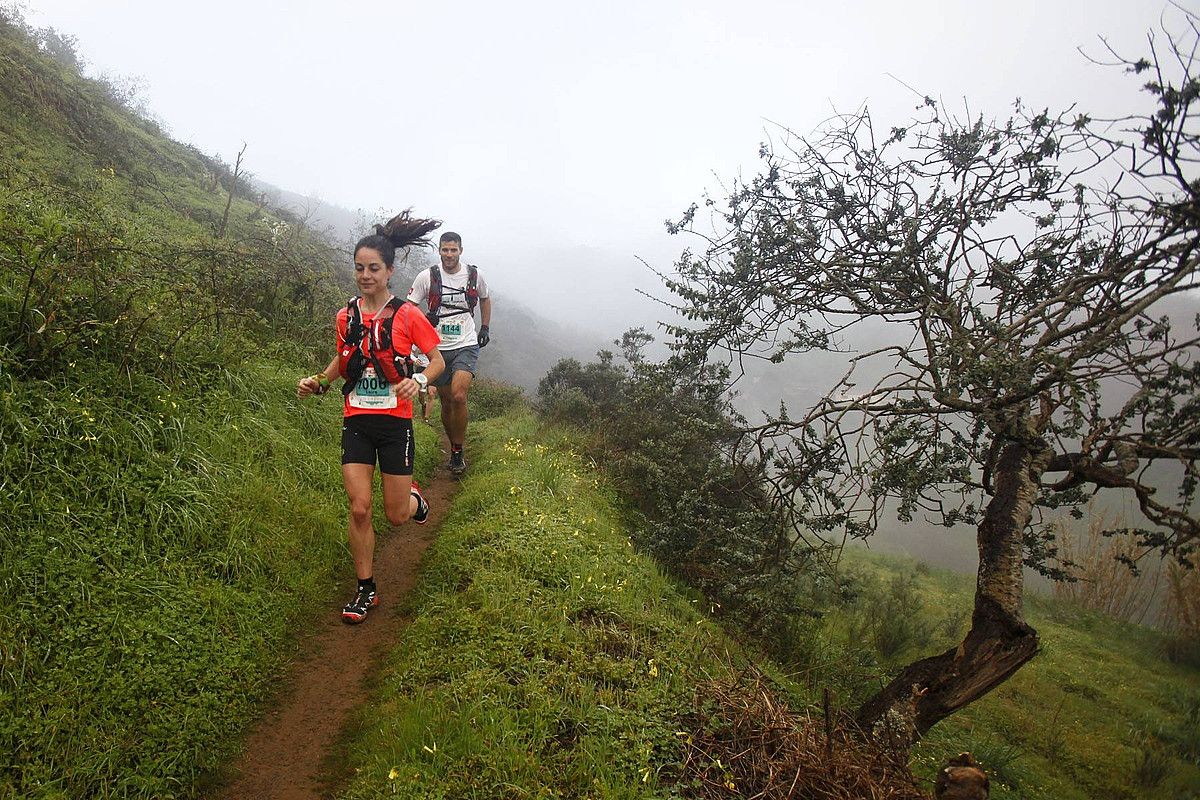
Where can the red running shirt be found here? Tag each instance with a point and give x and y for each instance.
(372, 394)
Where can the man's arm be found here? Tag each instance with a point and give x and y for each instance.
(419, 291)
(485, 316)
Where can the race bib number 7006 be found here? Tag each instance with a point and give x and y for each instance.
(372, 391)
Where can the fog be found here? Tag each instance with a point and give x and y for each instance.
(557, 138)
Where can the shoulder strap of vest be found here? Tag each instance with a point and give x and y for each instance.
(381, 347)
(354, 323)
(350, 357)
(435, 288)
(472, 286)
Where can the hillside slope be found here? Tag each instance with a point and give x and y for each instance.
(170, 512)
(549, 657)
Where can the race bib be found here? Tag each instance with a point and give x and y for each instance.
(372, 391)
(451, 330)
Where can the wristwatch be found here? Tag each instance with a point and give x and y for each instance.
(421, 380)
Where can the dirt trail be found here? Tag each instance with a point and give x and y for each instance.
(285, 755)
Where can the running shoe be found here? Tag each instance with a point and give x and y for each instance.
(356, 610)
(422, 514)
(458, 463)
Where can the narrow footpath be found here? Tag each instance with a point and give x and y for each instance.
(288, 756)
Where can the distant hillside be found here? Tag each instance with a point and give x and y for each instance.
(342, 225)
(525, 342)
(147, 243)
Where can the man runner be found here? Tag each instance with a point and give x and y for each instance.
(451, 291)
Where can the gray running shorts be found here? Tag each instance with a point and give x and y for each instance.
(463, 359)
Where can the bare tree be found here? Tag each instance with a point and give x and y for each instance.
(234, 177)
(1014, 269)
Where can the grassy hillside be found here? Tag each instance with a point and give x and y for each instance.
(1100, 712)
(119, 243)
(156, 567)
(171, 514)
(545, 656)
(549, 658)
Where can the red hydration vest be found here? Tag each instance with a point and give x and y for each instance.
(372, 344)
(435, 292)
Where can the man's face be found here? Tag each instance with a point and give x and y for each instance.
(450, 253)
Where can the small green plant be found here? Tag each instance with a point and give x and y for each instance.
(1000, 760)
(1053, 734)
(1151, 762)
(897, 617)
(1184, 735)
(954, 623)
(491, 398)
(1182, 616)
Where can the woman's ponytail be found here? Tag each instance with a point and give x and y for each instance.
(398, 232)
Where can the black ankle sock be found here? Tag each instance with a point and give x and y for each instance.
(366, 584)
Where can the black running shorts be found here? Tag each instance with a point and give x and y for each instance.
(366, 436)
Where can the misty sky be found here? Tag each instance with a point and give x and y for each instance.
(557, 137)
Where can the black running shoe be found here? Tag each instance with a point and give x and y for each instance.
(458, 464)
(422, 514)
(356, 610)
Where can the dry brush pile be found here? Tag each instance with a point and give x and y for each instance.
(744, 740)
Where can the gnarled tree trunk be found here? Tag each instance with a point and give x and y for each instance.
(999, 642)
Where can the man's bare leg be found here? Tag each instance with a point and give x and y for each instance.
(454, 414)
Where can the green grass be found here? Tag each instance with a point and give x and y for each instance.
(1100, 712)
(547, 658)
(196, 528)
(527, 671)
(171, 513)
(161, 547)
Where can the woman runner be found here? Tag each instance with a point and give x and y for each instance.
(377, 413)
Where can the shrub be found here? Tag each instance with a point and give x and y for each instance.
(1151, 762)
(492, 398)
(1000, 759)
(1097, 564)
(667, 434)
(1182, 615)
(897, 618)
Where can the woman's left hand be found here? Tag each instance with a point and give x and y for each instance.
(407, 389)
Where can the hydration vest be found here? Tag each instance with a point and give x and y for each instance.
(435, 293)
(372, 344)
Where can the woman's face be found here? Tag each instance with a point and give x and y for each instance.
(370, 273)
